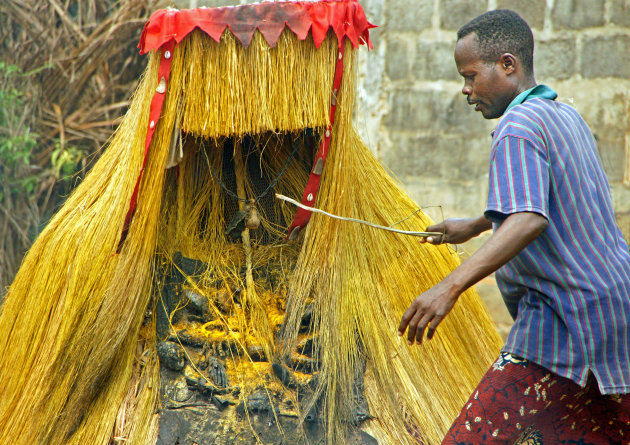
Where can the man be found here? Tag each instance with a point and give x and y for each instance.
(561, 262)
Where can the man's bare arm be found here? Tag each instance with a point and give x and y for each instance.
(430, 308)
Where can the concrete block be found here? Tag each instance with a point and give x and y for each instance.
(554, 59)
(408, 16)
(621, 198)
(620, 12)
(612, 153)
(433, 110)
(623, 221)
(456, 13)
(533, 11)
(603, 105)
(575, 14)
(472, 155)
(435, 61)
(453, 158)
(414, 156)
(613, 118)
(621, 201)
(606, 56)
(184, 4)
(416, 110)
(476, 161)
(492, 299)
(376, 37)
(397, 59)
(441, 198)
(374, 11)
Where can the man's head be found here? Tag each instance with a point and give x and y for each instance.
(494, 54)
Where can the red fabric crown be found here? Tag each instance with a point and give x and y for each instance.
(345, 17)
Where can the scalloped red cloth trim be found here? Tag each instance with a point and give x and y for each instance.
(345, 17)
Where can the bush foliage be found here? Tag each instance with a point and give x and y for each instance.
(67, 70)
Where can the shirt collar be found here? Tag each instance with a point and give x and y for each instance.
(542, 91)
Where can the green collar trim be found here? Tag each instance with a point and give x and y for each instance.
(542, 91)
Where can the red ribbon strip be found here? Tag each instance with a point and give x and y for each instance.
(155, 111)
(303, 216)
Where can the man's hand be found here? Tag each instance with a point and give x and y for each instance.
(457, 230)
(429, 309)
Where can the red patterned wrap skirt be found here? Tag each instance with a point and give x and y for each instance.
(520, 402)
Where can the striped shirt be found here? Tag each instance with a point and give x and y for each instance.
(569, 290)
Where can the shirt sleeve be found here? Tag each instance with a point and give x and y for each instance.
(519, 179)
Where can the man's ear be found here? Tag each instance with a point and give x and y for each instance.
(508, 63)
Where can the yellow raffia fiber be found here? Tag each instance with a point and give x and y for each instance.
(363, 279)
(137, 417)
(71, 325)
(71, 318)
(229, 90)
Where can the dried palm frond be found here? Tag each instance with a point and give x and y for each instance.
(78, 66)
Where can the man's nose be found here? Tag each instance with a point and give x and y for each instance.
(466, 90)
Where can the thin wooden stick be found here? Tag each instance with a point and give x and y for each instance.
(360, 221)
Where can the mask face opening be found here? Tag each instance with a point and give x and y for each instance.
(223, 181)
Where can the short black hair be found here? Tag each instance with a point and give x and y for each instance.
(502, 31)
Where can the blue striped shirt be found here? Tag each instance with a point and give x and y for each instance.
(569, 290)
